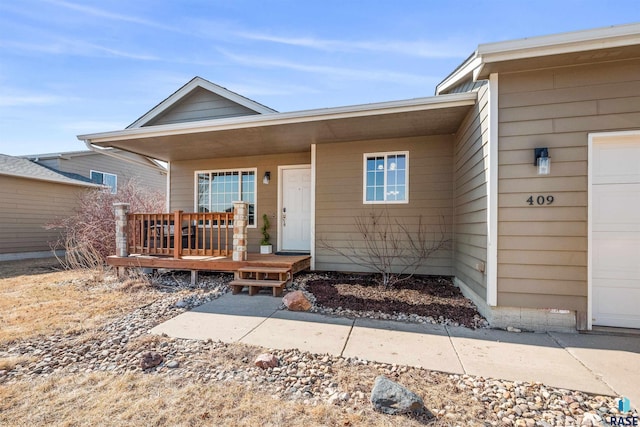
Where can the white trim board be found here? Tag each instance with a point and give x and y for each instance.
(313, 207)
(492, 199)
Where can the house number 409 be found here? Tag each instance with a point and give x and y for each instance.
(540, 200)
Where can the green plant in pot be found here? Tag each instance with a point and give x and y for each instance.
(265, 245)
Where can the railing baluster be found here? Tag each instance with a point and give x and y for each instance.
(152, 233)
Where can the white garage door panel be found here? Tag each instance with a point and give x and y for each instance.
(615, 232)
(613, 207)
(616, 255)
(616, 162)
(617, 306)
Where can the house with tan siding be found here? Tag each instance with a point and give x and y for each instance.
(529, 152)
(33, 196)
(107, 167)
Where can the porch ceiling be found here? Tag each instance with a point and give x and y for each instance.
(291, 132)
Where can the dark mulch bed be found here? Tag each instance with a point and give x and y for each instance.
(426, 296)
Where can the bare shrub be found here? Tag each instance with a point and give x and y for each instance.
(88, 236)
(389, 247)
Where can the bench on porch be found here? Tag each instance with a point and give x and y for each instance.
(256, 277)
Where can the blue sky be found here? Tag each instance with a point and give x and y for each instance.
(69, 67)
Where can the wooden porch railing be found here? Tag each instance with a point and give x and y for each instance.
(179, 234)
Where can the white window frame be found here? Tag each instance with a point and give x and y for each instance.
(113, 190)
(239, 170)
(364, 177)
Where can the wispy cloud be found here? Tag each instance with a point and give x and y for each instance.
(76, 47)
(350, 73)
(22, 100)
(101, 13)
(425, 49)
(269, 89)
(91, 126)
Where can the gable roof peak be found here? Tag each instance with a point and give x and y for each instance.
(193, 84)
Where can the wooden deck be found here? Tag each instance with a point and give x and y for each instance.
(205, 263)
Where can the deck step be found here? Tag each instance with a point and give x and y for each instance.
(258, 269)
(255, 285)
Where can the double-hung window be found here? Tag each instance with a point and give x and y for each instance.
(217, 190)
(386, 177)
(107, 179)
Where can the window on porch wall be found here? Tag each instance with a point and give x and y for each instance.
(217, 190)
(386, 177)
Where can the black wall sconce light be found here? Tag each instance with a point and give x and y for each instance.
(542, 161)
(266, 178)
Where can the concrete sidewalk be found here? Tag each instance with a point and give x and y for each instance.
(598, 364)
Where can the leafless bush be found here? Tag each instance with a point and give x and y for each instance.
(389, 247)
(88, 236)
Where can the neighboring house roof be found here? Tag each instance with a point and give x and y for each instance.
(184, 91)
(23, 168)
(120, 154)
(615, 42)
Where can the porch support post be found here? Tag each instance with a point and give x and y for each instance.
(121, 210)
(177, 234)
(240, 222)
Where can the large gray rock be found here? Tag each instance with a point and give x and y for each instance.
(391, 398)
(150, 359)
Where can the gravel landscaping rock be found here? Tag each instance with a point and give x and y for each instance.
(309, 378)
(433, 300)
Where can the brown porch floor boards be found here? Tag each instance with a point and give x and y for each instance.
(295, 262)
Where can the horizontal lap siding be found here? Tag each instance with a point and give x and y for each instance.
(182, 185)
(201, 105)
(148, 177)
(27, 206)
(542, 257)
(339, 184)
(470, 195)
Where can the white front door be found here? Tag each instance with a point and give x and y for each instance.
(616, 231)
(295, 215)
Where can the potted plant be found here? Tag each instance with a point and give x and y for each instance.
(265, 246)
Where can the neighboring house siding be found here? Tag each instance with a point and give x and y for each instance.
(83, 165)
(470, 195)
(542, 258)
(27, 205)
(182, 185)
(201, 104)
(339, 182)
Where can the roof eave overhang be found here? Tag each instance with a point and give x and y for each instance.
(439, 102)
(491, 57)
(54, 181)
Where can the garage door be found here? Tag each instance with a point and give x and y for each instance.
(616, 231)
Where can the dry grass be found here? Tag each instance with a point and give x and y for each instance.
(145, 400)
(37, 298)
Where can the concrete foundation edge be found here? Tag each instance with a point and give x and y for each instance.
(30, 255)
(530, 319)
